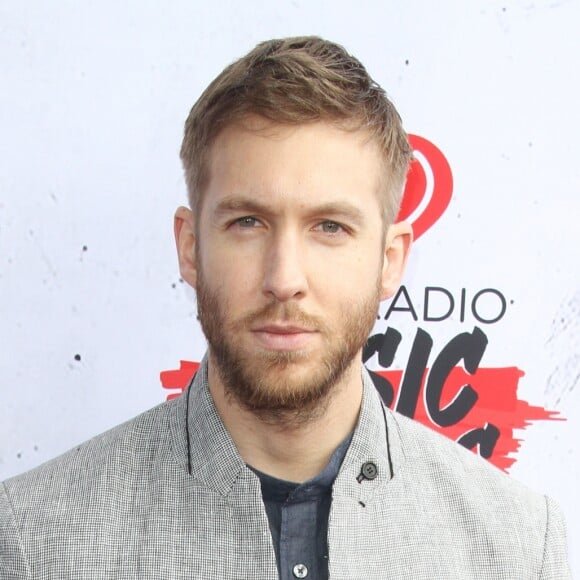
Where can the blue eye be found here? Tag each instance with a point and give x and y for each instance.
(329, 227)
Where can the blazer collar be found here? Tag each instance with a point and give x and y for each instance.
(206, 451)
(375, 441)
(202, 443)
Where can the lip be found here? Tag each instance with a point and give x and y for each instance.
(282, 329)
(283, 337)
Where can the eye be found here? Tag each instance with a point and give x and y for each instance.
(329, 227)
(247, 222)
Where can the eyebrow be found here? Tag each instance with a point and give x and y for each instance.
(338, 209)
(231, 204)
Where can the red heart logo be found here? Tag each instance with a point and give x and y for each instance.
(429, 187)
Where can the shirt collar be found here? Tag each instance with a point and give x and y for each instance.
(280, 490)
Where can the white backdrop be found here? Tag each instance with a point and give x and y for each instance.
(92, 104)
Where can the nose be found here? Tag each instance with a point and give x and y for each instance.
(285, 269)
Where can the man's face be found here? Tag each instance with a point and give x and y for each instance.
(289, 262)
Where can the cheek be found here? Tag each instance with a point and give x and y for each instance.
(218, 258)
(359, 262)
(346, 281)
(235, 278)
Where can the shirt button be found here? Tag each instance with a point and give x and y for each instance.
(300, 571)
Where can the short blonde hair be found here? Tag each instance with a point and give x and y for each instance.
(293, 81)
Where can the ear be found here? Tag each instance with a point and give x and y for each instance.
(397, 245)
(184, 228)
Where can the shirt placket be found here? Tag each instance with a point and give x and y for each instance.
(298, 537)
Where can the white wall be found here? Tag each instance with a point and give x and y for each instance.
(92, 104)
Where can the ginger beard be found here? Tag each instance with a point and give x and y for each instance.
(282, 387)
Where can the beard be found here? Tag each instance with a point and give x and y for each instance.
(282, 387)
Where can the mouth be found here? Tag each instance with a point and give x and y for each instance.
(282, 329)
(282, 337)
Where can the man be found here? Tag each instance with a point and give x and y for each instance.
(280, 459)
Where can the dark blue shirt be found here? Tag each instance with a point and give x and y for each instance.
(298, 518)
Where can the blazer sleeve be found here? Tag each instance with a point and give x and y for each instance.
(555, 561)
(13, 565)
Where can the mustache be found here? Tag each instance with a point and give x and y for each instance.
(288, 313)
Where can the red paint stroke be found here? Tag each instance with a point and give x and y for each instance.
(497, 404)
(178, 379)
(416, 187)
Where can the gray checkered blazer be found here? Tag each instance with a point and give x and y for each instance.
(167, 495)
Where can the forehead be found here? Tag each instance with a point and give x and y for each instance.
(313, 162)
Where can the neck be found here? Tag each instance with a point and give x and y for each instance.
(291, 451)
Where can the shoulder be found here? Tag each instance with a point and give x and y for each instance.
(472, 498)
(443, 511)
(70, 516)
(108, 462)
(448, 465)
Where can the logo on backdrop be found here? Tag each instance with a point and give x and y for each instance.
(446, 386)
